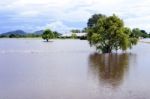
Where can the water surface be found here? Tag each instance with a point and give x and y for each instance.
(71, 69)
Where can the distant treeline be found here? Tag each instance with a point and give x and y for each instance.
(26, 35)
(144, 34)
(136, 31)
(19, 35)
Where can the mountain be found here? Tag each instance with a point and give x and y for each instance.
(16, 32)
(38, 32)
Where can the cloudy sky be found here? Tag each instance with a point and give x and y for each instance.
(63, 15)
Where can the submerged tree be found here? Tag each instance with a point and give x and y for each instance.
(47, 34)
(109, 33)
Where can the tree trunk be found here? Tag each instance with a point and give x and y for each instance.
(107, 49)
(46, 40)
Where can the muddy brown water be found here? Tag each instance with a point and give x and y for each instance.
(70, 69)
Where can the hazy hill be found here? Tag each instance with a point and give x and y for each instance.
(38, 32)
(16, 32)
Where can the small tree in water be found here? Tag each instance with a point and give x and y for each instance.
(47, 34)
(109, 33)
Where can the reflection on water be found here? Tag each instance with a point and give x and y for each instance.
(109, 68)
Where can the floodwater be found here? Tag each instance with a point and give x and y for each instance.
(71, 69)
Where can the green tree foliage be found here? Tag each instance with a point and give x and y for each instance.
(56, 34)
(32, 35)
(94, 19)
(136, 32)
(109, 33)
(85, 30)
(47, 34)
(74, 36)
(144, 34)
(12, 36)
(15, 36)
(75, 31)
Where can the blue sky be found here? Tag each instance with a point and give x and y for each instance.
(64, 15)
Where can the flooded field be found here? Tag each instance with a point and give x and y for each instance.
(71, 69)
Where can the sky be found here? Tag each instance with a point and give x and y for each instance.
(64, 15)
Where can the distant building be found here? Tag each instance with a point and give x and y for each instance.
(69, 35)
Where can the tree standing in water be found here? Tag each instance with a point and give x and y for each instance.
(109, 33)
(47, 34)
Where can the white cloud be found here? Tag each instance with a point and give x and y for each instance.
(58, 25)
(29, 13)
(135, 13)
